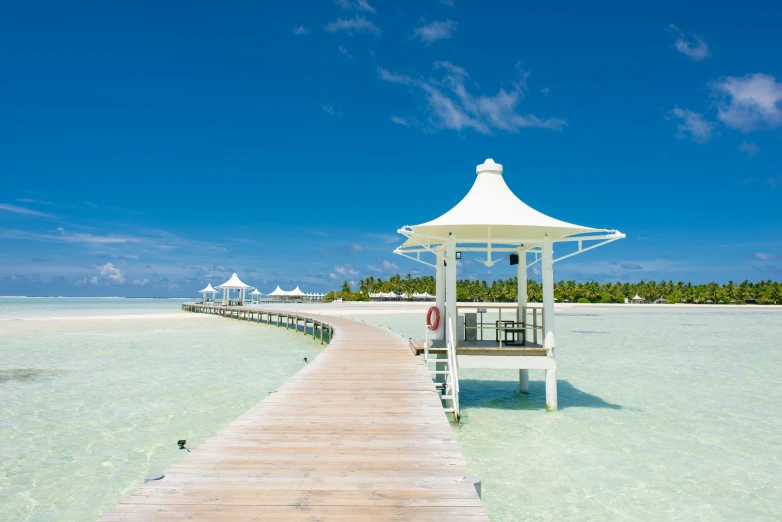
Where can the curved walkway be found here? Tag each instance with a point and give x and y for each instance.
(357, 434)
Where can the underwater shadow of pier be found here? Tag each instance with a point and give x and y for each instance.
(505, 395)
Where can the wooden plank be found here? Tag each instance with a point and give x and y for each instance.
(357, 434)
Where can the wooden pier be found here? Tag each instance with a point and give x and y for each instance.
(359, 433)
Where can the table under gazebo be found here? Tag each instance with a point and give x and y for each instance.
(491, 220)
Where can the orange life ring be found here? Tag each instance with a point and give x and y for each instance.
(433, 325)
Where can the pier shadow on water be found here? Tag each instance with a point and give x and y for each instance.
(506, 395)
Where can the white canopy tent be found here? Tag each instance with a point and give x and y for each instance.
(278, 292)
(234, 283)
(208, 290)
(491, 219)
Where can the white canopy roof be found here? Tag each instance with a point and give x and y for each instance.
(491, 211)
(233, 284)
(637, 298)
(296, 293)
(278, 292)
(208, 289)
(255, 292)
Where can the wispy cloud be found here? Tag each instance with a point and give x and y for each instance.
(37, 202)
(344, 51)
(449, 3)
(774, 181)
(400, 121)
(750, 149)
(693, 48)
(750, 102)
(429, 33)
(355, 5)
(357, 24)
(300, 30)
(24, 211)
(330, 110)
(764, 256)
(692, 125)
(345, 270)
(451, 105)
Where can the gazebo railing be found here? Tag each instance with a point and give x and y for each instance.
(532, 321)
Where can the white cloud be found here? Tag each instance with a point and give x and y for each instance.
(357, 5)
(545, 91)
(344, 51)
(330, 110)
(400, 121)
(332, 275)
(449, 3)
(140, 282)
(357, 24)
(24, 211)
(750, 102)
(750, 149)
(763, 256)
(355, 247)
(346, 270)
(774, 182)
(300, 30)
(450, 105)
(389, 266)
(693, 125)
(694, 48)
(111, 273)
(429, 33)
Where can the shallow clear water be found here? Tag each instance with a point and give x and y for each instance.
(665, 413)
(91, 406)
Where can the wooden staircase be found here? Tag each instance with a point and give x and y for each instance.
(445, 374)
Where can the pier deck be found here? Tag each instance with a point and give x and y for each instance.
(357, 434)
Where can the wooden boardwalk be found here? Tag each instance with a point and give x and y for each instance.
(358, 434)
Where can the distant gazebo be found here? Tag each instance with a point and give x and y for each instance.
(233, 284)
(208, 294)
(256, 295)
(637, 299)
(490, 219)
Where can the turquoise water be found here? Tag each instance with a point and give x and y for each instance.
(91, 406)
(666, 413)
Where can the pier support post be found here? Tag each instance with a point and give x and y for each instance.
(551, 390)
(547, 280)
(524, 381)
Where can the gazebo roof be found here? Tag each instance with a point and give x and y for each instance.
(208, 289)
(233, 284)
(255, 292)
(637, 297)
(296, 292)
(278, 292)
(491, 211)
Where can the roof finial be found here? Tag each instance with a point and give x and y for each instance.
(489, 166)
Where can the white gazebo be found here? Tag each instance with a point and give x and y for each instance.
(233, 284)
(208, 293)
(256, 295)
(637, 299)
(278, 292)
(490, 219)
(296, 293)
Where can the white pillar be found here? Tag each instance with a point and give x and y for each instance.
(450, 290)
(524, 380)
(440, 296)
(521, 276)
(547, 268)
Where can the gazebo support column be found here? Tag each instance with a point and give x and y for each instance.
(450, 292)
(547, 268)
(521, 317)
(440, 296)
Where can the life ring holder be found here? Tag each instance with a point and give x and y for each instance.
(432, 325)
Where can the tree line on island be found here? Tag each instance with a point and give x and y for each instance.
(505, 290)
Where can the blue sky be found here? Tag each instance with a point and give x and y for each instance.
(149, 148)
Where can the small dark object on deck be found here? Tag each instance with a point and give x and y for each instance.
(181, 444)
